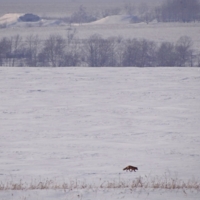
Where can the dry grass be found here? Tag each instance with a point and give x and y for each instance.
(139, 182)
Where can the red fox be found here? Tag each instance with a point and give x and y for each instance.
(130, 168)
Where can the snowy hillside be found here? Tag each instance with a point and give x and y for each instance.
(116, 19)
(12, 20)
(86, 124)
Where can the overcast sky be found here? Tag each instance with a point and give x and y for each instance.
(62, 7)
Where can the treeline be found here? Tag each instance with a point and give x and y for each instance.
(96, 51)
(168, 11)
(178, 11)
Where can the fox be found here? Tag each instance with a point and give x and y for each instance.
(130, 168)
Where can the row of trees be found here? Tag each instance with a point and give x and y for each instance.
(168, 11)
(178, 11)
(95, 51)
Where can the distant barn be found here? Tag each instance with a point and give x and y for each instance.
(29, 18)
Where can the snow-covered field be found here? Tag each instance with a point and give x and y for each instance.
(87, 124)
(81, 126)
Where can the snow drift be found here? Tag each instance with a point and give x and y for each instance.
(115, 19)
(10, 18)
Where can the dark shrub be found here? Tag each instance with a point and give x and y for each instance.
(29, 18)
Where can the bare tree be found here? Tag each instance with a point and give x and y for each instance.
(32, 50)
(119, 50)
(139, 53)
(166, 55)
(53, 51)
(81, 16)
(98, 51)
(73, 55)
(16, 51)
(183, 50)
(131, 53)
(5, 49)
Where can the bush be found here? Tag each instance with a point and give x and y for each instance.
(29, 18)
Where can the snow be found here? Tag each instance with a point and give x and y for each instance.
(84, 125)
(87, 124)
(115, 19)
(10, 18)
